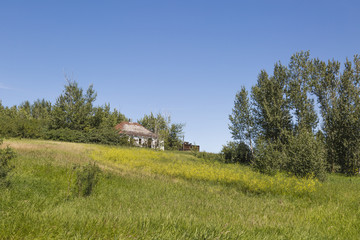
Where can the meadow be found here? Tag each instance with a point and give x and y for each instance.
(146, 194)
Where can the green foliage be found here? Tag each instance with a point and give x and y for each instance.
(306, 155)
(269, 157)
(29, 128)
(107, 136)
(303, 156)
(158, 124)
(85, 180)
(283, 108)
(242, 125)
(73, 118)
(41, 109)
(208, 156)
(103, 117)
(339, 99)
(170, 133)
(6, 155)
(235, 152)
(271, 107)
(65, 134)
(73, 109)
(173, 140)
(298, 91)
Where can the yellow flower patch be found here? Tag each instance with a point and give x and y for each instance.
(189, 167)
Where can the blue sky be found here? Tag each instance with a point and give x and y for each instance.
(183, 58)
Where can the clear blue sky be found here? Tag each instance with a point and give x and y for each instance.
(186, 58)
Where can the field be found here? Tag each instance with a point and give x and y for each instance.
(145, 194)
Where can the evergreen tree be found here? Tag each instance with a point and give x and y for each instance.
(173, 140)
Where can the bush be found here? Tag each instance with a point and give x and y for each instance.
(269, 157)
(236, 153)
(106, 136)
(207, 155)
(21, 127)
(103, 136)
(306, 156)
(303, 155)
(86, 179)
(5, 167)
(65, 134)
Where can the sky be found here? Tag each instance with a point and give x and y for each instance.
(183, 58)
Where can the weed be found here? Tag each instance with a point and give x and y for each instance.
(86, 179)
(6, 155)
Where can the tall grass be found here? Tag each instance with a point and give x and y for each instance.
(137, 203)
(191, 168)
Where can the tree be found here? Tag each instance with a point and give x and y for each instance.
(271, 107)
(242, 125)
(325, 82)
(24, 110)
(41, 109)
(339, 99)
(170, 133)
(103, 117)
(158, 124)
(281, 144)
(73, 109)
(298, 91)
(173, 140)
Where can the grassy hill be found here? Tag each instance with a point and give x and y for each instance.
(145, 194)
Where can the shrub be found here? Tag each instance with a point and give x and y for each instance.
(306, 155)
(269, 157)
(21, 127)
(65, 134)
(303, 155)
(6, 155)
(86, 179)
(235, 152)
(103, 136)
(207, 155)
(106, 136)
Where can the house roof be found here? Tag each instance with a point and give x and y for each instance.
(134, 129)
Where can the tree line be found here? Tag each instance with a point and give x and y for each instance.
(277, 128)
(74, 118)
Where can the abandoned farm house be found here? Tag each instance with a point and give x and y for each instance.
(142, 137)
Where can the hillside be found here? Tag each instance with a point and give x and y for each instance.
(145, 194)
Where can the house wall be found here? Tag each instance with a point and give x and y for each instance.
(140, 141)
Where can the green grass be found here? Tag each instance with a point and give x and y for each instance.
(138, 203)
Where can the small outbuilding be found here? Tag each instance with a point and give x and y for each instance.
(142, 137)
(186, 146)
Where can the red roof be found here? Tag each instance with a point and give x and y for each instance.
(134, 129)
